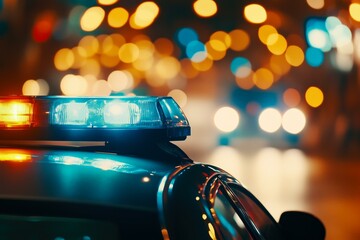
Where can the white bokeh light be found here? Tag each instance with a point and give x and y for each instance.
(293, 121)
(226, 119)
(270, 120)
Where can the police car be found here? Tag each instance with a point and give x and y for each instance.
(106, 168)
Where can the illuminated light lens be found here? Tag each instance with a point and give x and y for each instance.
(71, 113)
(15, 113)
(121, 113)
(14, 155)
(73, 118)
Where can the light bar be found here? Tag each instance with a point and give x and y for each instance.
(91, 118)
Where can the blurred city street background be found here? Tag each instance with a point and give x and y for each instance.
(271, 88)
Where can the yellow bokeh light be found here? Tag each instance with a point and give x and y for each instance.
(90, 44)
(187, 69)
(43, 87)
(354, 10)
(118, 17)
(314, 96)
(205, 8)
(263, 78)
(265, 31)
(294, 55)
(245, 82)
(240, 40)
(120, 80)
(216, 49)
(279, 65)
(255, 13)
(79, 56)
(90, 67)
(277, 44)
(204, 65)
(167, 67)
(316, 4)
(73, 85)
(109, 61)
(223, 37)
(146, 49)
(107, 2)
(31, 88)
(101, 88)
(92, 18)
(144, 15)
(164, 46)
(64, 59)
(129, 52)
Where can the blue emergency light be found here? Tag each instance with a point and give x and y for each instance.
(91, 118)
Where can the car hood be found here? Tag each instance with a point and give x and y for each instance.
(82, 177)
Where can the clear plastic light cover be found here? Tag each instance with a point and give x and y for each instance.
(97, 116)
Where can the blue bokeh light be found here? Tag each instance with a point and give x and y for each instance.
(187, 35)
(314, 57)
(238, 63)
(193, 48)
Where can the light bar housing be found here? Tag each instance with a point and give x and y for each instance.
(114, 118)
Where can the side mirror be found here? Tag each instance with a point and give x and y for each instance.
(300, 225)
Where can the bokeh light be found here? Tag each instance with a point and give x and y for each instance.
(226, 119)
(354, 10)
(92, 18)
(120, 80)
(276, 43)
(107, 2)
(314, 57)
(291, 97)
(265, 32)
(314, 96)
(73, 85)
(144, 15)
(129, 52)
(64, 59)
(293, 121)
(263, 78)
(205, 8)
(316, 4)
(255, 13)
(270, 120)
(118, 17)
(240, 67)
(294, 55)
(240, 39)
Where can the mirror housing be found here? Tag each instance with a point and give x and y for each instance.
(301, 225)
